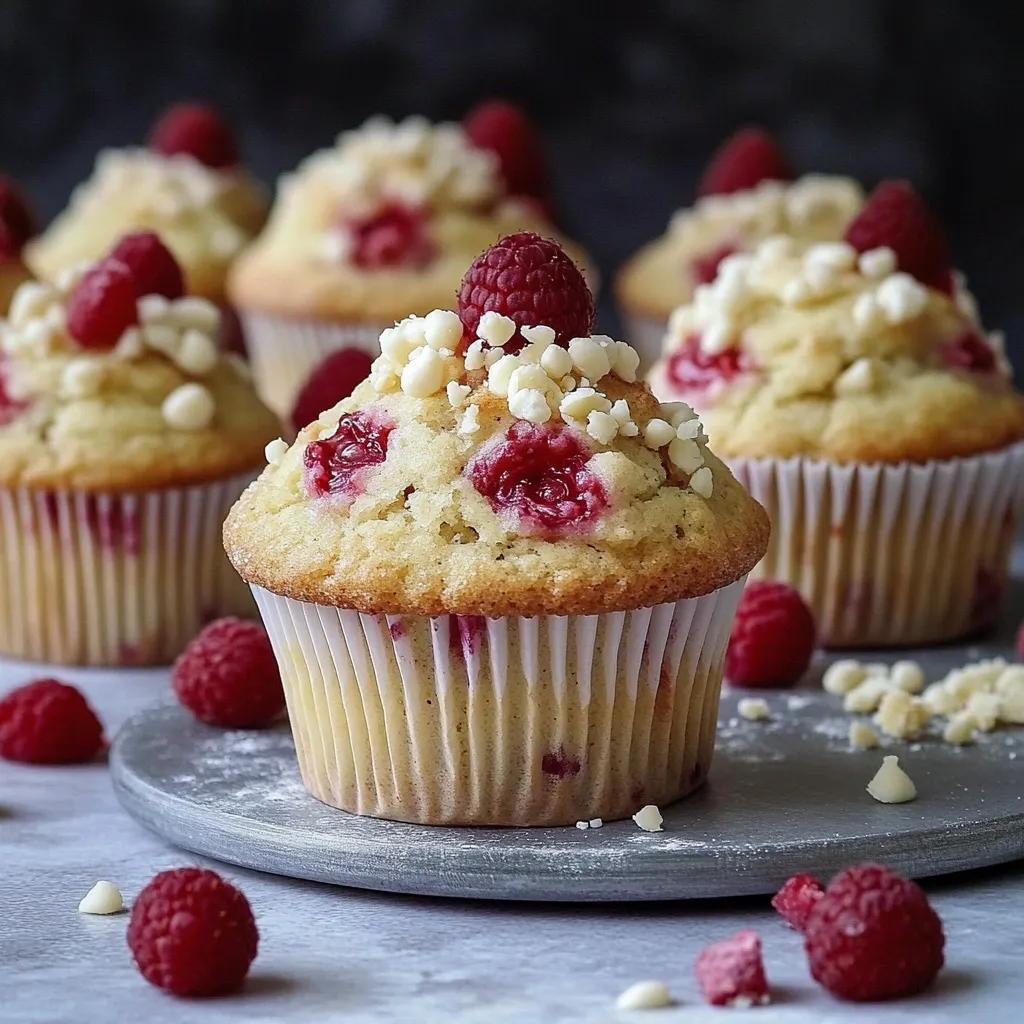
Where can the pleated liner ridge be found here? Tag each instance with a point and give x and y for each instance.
(513, 721)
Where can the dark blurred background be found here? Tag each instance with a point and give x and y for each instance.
(631, 97)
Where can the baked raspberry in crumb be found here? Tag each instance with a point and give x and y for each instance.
(692, 371)
(970, 352)
(9, 408)
(538, 476)
(49, 722)
(873, 935)
(192, 934)
(103, 305)
(228, 676)
(198, 131)
(17, 222)
(335, 464)
(153, 266)
(704, 269)
(505, 130)
(797, 898)
(333, 380)
(394, 236)
(742, 162)
(731, 972)
(773, 636)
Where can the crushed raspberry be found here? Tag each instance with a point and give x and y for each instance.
(153, 266)
(969, 352)
(797, 898)
(198, 131)
(692, 371)
(538, 477)
(731, 972)
(337, 464)
(103, 305)
(394, 236)
(397, 630)
(9, 407)
(228, 676)
(465, 635)
(49, 722)
(192, 934)
(873, 935)
(742, 162)
(533, 282)
(333, 380)
(772, 638)
(560, 765)
(704, 269)
(894, 215)
(505, 130)
(17, 222)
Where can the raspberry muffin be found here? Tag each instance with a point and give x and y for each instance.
(852, 389)
(747, 193)
(500, 577)
(382, 225)
(125, 436)
(17, 226)
(187, 185)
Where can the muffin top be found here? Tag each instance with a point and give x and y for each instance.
(107, 384)
(832, 351)
(382, 224)
(509, 469)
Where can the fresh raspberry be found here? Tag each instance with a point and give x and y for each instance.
(731, 972)
(894, 215)
(772, 638)
(873, 935)
(694, 372)
(337, 464)
(153, 266)
(537, 476)
(797, 898)
(704, 269)
(394, 236)
(333, 380)
(505, 130)
(103, 305)
(197, 131)
(742, 162)
(533, 282)
(970, 352)
(48, 722)
(17, 223)
(228, 676)
(192, 934)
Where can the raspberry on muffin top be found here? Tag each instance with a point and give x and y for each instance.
(17, 226)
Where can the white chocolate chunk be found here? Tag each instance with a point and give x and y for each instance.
(103, 898)
(866, 697)
(442, 329)
(862, 736)
(196, 354)
(658, 433)
(596, 822)
(470, 422)
(590, 358)
(1010, 688)
(940, 699)
(835, 255)
(685, 455)
(644, 995)
(579, 404)
(753, 709)
(877, 263)
(189, 407)
(556, 362)
(500, 373)
(902, 716)
(625, 361)
(531, 405)
(908, 676)
(843, 676)
(495, 329)
(702, 482)
(891, 784)
(601, 426)
(541, 336)
(901, 297)
(275, 451)
(457, 393)
(32, 299)
(960, 729)
(583, 825)
(649, 818)
(81, 378)
(423, 375)
(191, 313)
(474, 359)
(986, 709)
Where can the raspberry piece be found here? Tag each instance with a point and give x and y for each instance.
(103, 305)
(742, 162)
(894, 215)
(228, 676)
(333, 380)
(17, 222)
(692, 371)
(198, 131)
(772, 638)
(192, 934)
(49, 722)
(231, 337)
(731, 972)
(557, 764)
(533, 282)
(704, 269)
(153, 266)
(537, 477)
(797, 898)
(505, 130)
(970, 352)
(465, 635)
(9, 407)
(338, 464)
(394, 236)
(873, 935)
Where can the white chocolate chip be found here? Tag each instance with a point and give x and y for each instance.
(649, 818)
(590, 358)
(843, 676)
(540, 335)
(601, 426)
(866, 697)
(423, 375)
(644, 995)
(383, 376)
(960, 729)
(470, 422)
(689, 430)
(495, 329)
(797, 292)
(861, 377)
(197, 354)
(556, 362)
(677, 413)
(162, 338)
(620, 412)
(753, 709)
(275, 451)
(891, 784)
(193, 313)
(32, 299)
(658, 433)
(530, 404)
(442, 329)
(103, 898)
(579, 404)
(901, 298)
(457, 393)
(685, 455)
(702, 482)
(475, 356)
(901, 715)
(1010, 688)
(877, 263)
(862, 736)
(625, 361)
(583, 825)
(834, 255)
(908, 676)
(189, 407)
(596, 822)
(985, 708)
(81, 378)
(130, 345)
(153, 309)
(499, 375)
(867, 314)
(940, 700)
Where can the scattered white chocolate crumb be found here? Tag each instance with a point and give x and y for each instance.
(908, 676)
(596, 822)
(866, 697)
(583, 825)
(645, 995)
(843, 676)
(103, 898)
(753, 709)
(275, 451)
(495, 329)
(891, 784)
(649, 818)
(702, 482)
(960, 729)
(457, 393)
(985, 708)
(189, 407)
(470, 422)
(862, 736)
(901, 716)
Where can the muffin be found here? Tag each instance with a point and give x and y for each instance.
(187, 185)
(17, 226)
(500, 578)
(125, 436)
(852, 389)
(380, 226)
(746, 195)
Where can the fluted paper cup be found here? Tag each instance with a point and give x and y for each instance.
(889, 555)
(114, 579)
(461, 720)
(646, 334)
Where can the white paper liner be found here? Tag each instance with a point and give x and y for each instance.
(531, 721)
(114, 579)
(646, 335)
(284, 352)
(889, 555)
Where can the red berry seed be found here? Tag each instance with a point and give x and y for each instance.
(394, 236)
(331, 382)
(198, 131)
(103, 305)
(797, 898)
(153, 266)
(49, 722)
(742, 162)
(505, 130)
(228, 676)
(338, 464)
(17, 222)
(192, 934)
(731, 972)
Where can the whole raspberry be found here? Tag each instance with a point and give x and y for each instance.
(153, 266)
(334, 379)
(103, 305)
(533, 282)
(192, 934)
(394, 236)
(894, 215)
(338, 464)
(197, 131)
(873, 935)
(742, 162)
(797, 898)
(228, 676)
(505, 130)
(772, 638)
(49, 722)
(17, 223)
(731, 972)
